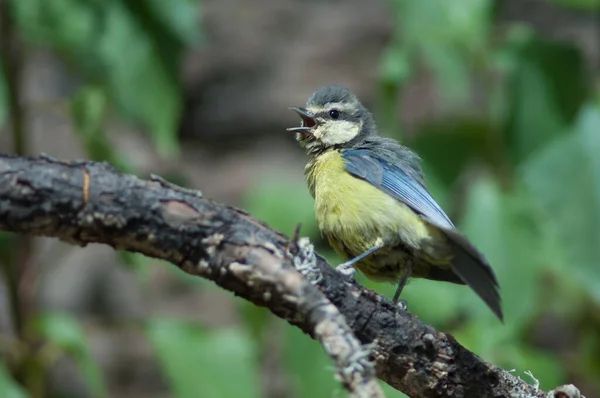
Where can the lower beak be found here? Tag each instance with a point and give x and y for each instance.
(308, 120)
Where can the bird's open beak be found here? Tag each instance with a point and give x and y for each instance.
(308, 121)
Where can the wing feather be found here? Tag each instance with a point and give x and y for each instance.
(393, 180)
(468, 263)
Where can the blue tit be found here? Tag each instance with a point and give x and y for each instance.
(372, 205)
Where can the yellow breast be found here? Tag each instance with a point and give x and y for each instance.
(355, 213)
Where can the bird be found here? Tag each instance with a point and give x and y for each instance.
(372, 204)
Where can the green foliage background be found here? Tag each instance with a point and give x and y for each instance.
(531, 204)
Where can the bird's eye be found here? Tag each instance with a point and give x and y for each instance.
(334, 113)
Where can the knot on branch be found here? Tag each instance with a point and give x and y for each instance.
(305, 261)
(358, 364)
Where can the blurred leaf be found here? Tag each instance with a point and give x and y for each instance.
(461, 140)
(445, 33)
(7, 244)
(88, 110)
(65, 332)
(309, 369)
(451, 71)
(394, 71)
(210, 364)
(180, 21)
(589, 352)
(435, 302)
(140, 264)
(391, 392)
(535, 118)
(501, 346)
(485, 337)
(395, 67)
(505, 61)
(545, 367)
(565, 178)
(282, 205)
(8, 387)
(3, 99)
(543, 102)
(517, 37)
(256, 318)
(504, 228)
(133, 48)
(133, 260)
(138, 78)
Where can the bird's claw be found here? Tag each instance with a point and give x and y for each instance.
(347, 270)
(402, 305)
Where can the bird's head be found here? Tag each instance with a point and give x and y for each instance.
(333, 118)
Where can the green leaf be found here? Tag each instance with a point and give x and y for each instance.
(138, 78)
(493, 342)
(435, 302)
(210, 364)
(394, 70)
(132, 49)
(391, 392)
(462, 140)
(395, 67)
(564, 178)
(503, 348)
(545, 367)
(543, 102)
(445, 34)
(589, 352)
(7, 244)
(535, 118)
(140, 264)
(181, 21)
(88, 110)
(310, 371)
(256, 318)
(64, 331)
(8, 387)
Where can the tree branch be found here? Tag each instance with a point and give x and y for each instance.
(86, 202)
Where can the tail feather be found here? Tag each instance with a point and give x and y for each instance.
(472, 267)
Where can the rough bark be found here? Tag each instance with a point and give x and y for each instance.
(86, 202)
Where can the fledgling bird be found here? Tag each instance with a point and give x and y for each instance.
(372, 205)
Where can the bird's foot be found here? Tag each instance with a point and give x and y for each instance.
(402, 305)
(347, 270)
(305, 260)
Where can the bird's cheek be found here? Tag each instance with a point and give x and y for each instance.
(318, 133)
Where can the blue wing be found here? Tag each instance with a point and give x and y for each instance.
(470, 265)
(396, 182)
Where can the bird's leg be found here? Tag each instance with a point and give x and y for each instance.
(347, 268)
(403, 279)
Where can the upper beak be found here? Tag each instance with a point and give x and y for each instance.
(308, 120)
